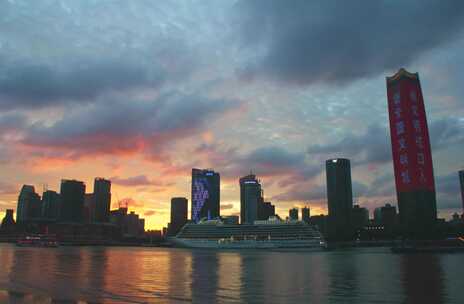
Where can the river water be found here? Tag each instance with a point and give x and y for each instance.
(168, 275)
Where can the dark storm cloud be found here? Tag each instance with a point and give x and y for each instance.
(125, 127)
(275, 156)
(306, 42)
(35, 86)
(374, 147)
(371, 147)
(273, 161)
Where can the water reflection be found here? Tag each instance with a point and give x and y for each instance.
(179, 273)
(343, 276)
(158, 275)
(204, 276)
(422, 278)
(229, 276)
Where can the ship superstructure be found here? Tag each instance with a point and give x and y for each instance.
(271, 233)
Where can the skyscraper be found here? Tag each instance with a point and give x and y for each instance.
(72, 200)
(89, 208)
(29, 204)
(102, 199)
(205, 194)
(265, 209)
(461, 182)
(293, 214)
(179, 206)
(50, 205)
(250, 198)
(305, 215)
(339, 198)
(412, 157)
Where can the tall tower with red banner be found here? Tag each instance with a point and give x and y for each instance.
(412, 156)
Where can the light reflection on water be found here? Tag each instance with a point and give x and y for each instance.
(162, 275)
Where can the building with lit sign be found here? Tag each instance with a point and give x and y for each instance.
(412, 156)
(205, 194)
(250, 197)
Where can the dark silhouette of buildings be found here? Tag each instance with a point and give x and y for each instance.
(179, 206)
(385, 216)
(50, 205)
(102, 199)
(8, 222)
(89, 208)
(265, 209)
(72, 201)
(339, 198)
(293, 214)
(359, 217)
(320, 221)
(205, 194)
(129, 223)
(461, 182)
(29, 204)
(250, 197)
(412, 157)
(306, 215)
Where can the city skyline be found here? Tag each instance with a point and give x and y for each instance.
(143, 102)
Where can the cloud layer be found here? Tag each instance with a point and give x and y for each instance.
(308, 42)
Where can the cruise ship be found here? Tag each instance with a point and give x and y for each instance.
(267, 234)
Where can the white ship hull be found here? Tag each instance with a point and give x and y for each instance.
(247, 244)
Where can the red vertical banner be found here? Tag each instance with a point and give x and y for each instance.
(412, 158)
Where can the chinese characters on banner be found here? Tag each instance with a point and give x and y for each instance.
(412, 157)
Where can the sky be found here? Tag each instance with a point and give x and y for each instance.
(141, 92)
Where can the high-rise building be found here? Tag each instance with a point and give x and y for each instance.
(29, 204)
(89, 208)
(461, 182)
(179, 206)
(72, 201)
(134, 226)
(359, 217)
(385, 215)
(50, 205)
(205, 194)
(412, 156)
(339, 198)
(250, 197)
(305, 215)
(265, 210)
(293, 214)
(102, 197)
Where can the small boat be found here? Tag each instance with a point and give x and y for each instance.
(38, 240)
